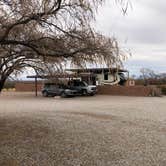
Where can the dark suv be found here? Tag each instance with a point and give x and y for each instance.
(74, 88)
(52, 89)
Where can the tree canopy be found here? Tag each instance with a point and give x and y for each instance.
(33, 32)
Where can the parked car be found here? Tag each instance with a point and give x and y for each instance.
(74, 88)
(82, 87)
(52, 89)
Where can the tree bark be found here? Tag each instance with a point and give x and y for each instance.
(2, 82)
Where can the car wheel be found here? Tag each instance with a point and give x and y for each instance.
(45, 94)
(84, 92)
(92, 94)
(63, 95)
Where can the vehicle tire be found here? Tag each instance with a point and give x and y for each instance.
(45, 94)
(52, 95)
(92, 94)
(63, 95)
(84, 92)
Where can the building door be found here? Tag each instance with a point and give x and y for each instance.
(93, 80)
(105, 76)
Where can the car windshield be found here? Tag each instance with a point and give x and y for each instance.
(78, 83)
(84, 83)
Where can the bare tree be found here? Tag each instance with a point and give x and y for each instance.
(20, 21)
(36, 31)
(147, 74)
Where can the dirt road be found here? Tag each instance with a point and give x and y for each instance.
(82, 131)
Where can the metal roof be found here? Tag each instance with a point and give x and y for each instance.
(52, 76)
(60, 75)
(97, 70)
(78, 72)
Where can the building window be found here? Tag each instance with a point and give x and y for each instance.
(105, 76)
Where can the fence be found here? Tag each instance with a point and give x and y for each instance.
(128, 90)
(103, 90)
(27, 86)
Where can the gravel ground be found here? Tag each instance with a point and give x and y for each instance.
(82, 131)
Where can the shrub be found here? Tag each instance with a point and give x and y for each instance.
(163, 89)
(9, 85)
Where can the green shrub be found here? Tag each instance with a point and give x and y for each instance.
(163, 89)
(9, 85)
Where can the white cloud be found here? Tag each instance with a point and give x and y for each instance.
(142, 30)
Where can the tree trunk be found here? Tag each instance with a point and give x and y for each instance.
(2, 82)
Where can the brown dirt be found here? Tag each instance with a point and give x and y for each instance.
(82, 131)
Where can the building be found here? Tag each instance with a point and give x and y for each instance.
(102, 76)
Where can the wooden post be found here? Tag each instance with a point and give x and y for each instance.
(89, 78)
(128, 78)
(36, 86)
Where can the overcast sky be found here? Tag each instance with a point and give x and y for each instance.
(142, 30)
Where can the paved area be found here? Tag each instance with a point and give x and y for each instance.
(82, 131)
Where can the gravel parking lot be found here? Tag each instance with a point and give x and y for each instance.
(82, 131)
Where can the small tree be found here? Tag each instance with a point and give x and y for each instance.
(147, 74)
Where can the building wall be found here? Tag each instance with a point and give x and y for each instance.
(126, 90)
(103, 90)
(100, 78)
(27, 86)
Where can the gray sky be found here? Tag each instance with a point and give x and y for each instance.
(142, 30)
